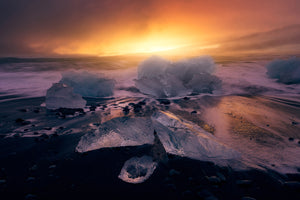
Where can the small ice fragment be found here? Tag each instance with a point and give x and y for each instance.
(62, 96)
(137, 169)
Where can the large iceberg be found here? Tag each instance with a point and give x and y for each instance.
(161, 78)
(118, 132)
(62, 96)
(285, 71)
(88, 84)
(183, 138)
(137, 169)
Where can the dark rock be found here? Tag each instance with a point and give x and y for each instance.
(22, 122)
(142, 103)
(35, 133)
(93, 108)
(137, 108)
(126, 110)
(164, 101)
(268, 125)
(291, 139)
(68, 111)
(48, 128)
(186, 98)
(294, 123)
(24, 110)
(194, 112)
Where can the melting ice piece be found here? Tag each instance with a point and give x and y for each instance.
(137, 169)
(186, 139)
(161, 78)
(118, 132)
(286, 71)
(88, 84)
(62, 96)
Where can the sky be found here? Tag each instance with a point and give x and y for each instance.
(121, 27)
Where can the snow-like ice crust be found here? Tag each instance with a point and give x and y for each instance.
(62, 96)
(186, 139)
(137, 169)
(87, 84)
(161, 78)
(118, 132)
(285, 71)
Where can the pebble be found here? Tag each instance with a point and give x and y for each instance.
(194, 112)
(164, 101)
(291, 139)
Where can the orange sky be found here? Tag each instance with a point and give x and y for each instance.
(113, 27)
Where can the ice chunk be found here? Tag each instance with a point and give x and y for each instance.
(137, 169)
(118, 132)
(285, 71)
(62, 96)
(162, 78)
(186, 139)
(163, 86)
(88, 84)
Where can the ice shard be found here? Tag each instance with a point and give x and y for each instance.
(183, 138)
(137, 169)
(118, 132)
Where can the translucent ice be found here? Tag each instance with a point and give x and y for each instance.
(137, 169)
(186, 139)
(88, 84)
(62, 96)
(285, 71)
(118, 132)
(161, 78)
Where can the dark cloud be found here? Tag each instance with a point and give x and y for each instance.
(289, 35)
